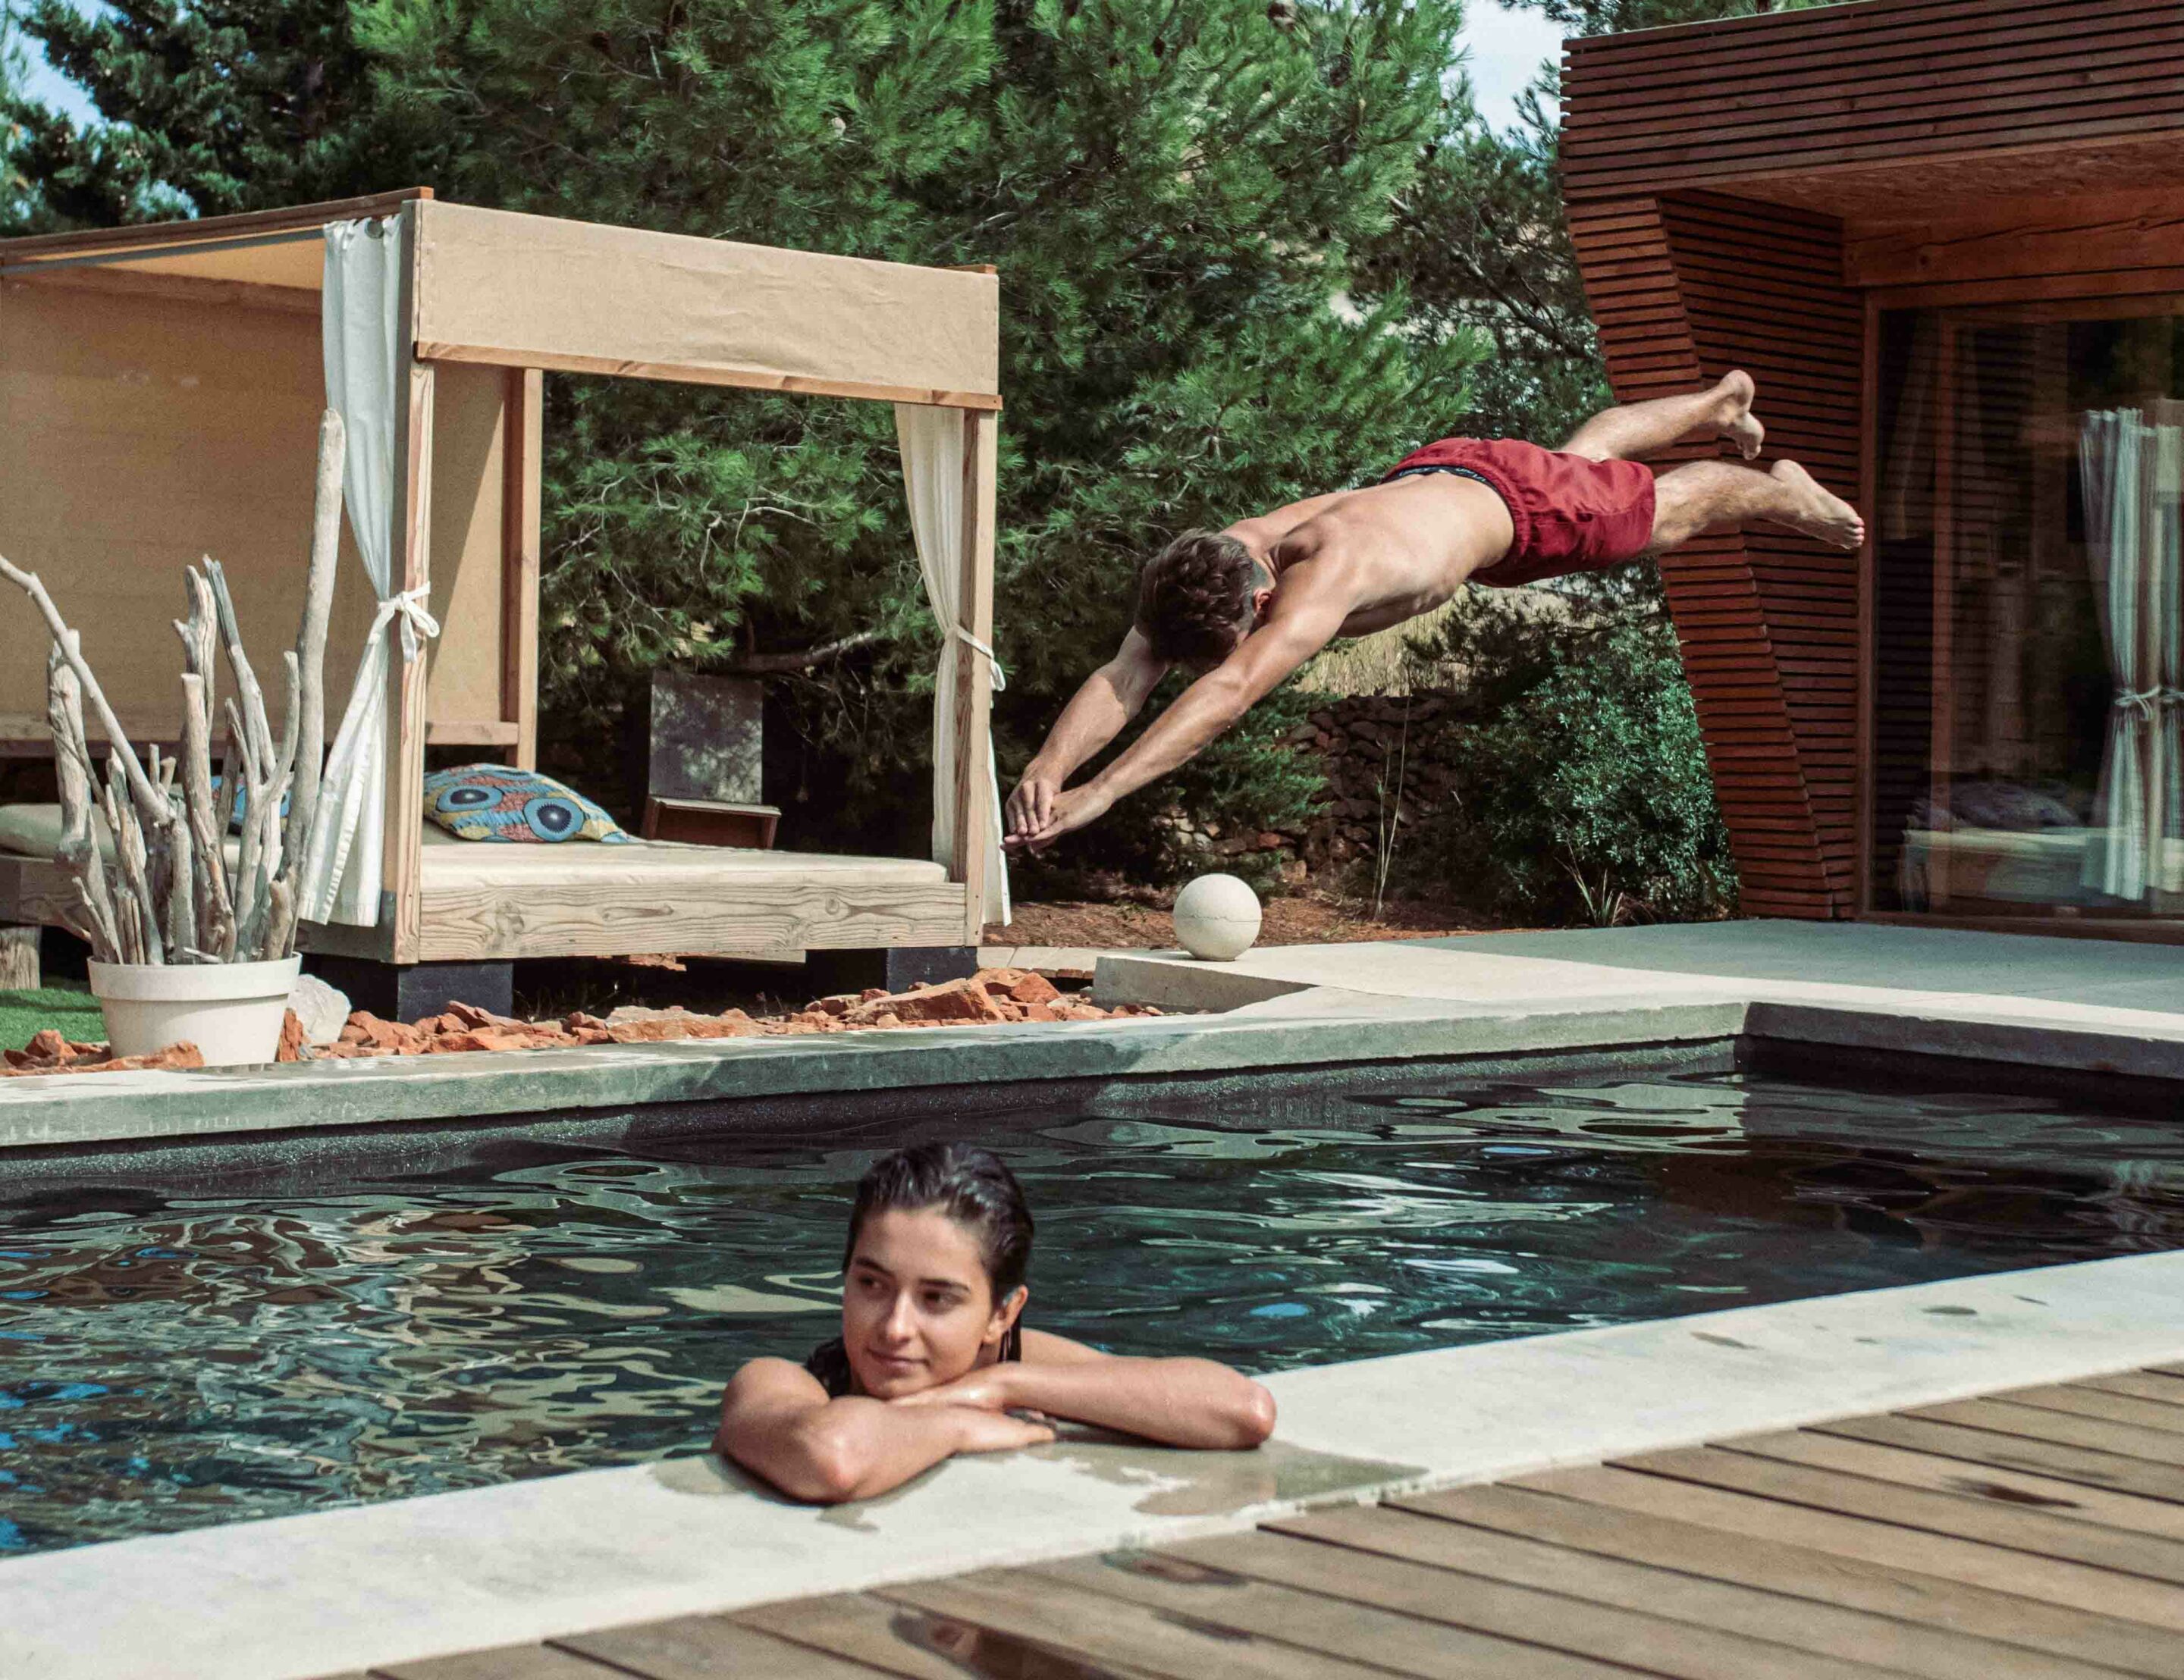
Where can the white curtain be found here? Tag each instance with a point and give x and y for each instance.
(2165, 539)
(2115, 459)
(932, 441)
(360, 325)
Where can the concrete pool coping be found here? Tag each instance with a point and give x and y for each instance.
(2068, 1006)
(294, 1597)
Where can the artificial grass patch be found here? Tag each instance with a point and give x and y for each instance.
(67, 1005)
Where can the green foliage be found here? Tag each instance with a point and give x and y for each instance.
(211, 107)
(1478, 244)
(1582, 792)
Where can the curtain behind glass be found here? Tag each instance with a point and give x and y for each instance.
(2116, 454)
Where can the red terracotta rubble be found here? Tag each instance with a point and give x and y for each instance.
(995, 995)
(48, 1052)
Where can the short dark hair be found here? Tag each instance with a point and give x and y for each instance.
(1194, 595)
(971, 1185)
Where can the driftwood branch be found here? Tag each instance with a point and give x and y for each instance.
(777, 665)
(206, 812)
(140, 920)
(147, 798)
(78, 854)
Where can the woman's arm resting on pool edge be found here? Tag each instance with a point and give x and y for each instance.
(777, 1422)
(1178, 1402)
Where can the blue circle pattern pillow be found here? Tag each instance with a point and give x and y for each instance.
(491, 802)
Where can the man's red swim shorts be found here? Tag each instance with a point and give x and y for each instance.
(1571, 513)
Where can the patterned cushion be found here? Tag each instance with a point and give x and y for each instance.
(491, 802)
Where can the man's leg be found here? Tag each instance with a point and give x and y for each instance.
(1704, 495)
(1642, 429)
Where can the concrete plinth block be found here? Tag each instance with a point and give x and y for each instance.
(894, 968)
(413, 990)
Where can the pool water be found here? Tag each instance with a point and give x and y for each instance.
(168, 1361)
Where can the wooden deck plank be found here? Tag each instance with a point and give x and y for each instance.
(1344, 1616)
(2036, 1533)
(2125, 1440)
(502, 1662)
(2013, 1452)
(1777, 1565)
(1858, 1635)
(2107, 1407)
(1533, 1618)
(2098, 1590)
(709, 1648)
(2140, 1384)
(1952, 1475)
(898, 1638)
(1107, 1629)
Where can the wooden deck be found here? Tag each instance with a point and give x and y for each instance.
(2032, 1535)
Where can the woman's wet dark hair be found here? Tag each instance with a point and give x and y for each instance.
(974, 1189)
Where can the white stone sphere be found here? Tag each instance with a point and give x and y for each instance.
(1216, 918)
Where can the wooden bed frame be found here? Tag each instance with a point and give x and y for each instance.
(159, 391)
(1754, 193)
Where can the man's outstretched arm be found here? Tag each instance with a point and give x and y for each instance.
(1110, 698)
(1209, 707)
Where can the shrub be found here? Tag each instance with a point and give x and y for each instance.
(1581, 791)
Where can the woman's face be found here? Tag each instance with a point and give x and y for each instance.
(916, 1308)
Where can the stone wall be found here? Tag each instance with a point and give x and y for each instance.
(1371, 746)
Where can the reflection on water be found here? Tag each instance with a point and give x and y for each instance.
(169, 1362)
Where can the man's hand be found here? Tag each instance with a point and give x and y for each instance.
(1033, 802)
(1072, 807)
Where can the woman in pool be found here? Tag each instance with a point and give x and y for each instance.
(934, 1359)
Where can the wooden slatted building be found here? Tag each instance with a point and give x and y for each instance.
(1846, 201)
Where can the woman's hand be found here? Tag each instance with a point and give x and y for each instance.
(996, 1432)
(986, 1387)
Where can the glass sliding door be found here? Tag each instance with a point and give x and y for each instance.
(2028, 660)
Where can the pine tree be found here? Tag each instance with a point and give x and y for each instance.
(210, 107)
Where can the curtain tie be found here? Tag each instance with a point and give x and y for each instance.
(993, 662)
(417, 620)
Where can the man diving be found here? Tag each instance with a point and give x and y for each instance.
(1244, 607)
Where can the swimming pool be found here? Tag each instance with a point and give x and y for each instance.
(171, 1360)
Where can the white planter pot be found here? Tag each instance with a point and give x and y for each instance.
(231, 1011)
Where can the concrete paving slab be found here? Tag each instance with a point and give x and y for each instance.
(383, 1583)
(1871, 954)
(2082, 990)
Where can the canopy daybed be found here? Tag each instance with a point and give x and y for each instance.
(160, 392)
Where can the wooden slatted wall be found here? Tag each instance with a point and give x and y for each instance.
(1767, 624)
(1761, 288)
(1684, 151)
(1881, 82)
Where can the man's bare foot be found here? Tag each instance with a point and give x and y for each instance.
(1814, 511)
(1733, 418)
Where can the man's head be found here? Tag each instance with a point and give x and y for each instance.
(1200, 596)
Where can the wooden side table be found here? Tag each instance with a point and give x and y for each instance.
(710, 822)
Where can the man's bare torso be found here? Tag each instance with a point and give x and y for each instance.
(1393, 550)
